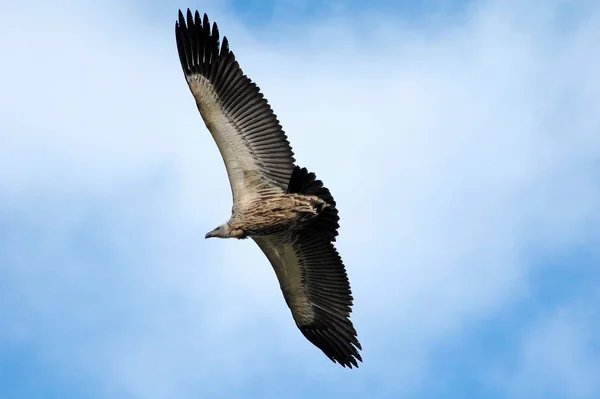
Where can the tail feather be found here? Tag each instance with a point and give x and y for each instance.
(305, 182)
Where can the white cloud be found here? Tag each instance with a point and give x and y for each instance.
(450, 152)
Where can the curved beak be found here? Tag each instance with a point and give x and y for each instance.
(211, 233)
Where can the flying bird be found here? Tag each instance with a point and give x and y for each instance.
(284, 208)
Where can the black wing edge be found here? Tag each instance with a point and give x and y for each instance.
(198, 45)
(328, 288)
(334, 347)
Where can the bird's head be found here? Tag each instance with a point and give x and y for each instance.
(225, 231)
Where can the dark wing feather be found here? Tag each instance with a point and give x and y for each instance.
(327, 286)
(254, 147)
(313, 278)
(315, 286)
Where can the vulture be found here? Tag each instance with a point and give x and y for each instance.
(284, 208)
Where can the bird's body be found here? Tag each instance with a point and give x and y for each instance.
(290, 215)
(274, 214)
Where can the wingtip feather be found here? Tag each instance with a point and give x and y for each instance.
(335, 348)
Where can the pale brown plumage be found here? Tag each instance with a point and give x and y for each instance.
(282, 207)
(276, 213)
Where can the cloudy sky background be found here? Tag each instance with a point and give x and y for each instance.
(460, 140)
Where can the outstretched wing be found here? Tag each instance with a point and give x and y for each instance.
(315, 286)
(255, 150)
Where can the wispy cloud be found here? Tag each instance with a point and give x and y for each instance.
(558, 354)
(462, 156)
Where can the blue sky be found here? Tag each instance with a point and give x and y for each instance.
(460, 141)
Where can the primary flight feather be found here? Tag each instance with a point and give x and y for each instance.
(290, 215)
